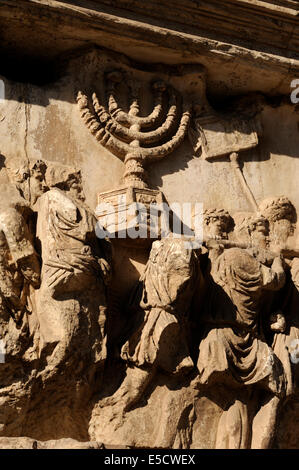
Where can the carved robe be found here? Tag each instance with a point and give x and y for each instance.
(71, 303)
(232, 349)
(168, 282)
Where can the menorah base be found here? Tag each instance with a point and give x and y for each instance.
(130, 214)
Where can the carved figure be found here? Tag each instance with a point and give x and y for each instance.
(65, 339)
(160, 341)
(73, 276)
(232, 350)
(284, 318)
(19, 266)
(285, 324)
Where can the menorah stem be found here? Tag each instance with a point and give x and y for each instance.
(135, 173)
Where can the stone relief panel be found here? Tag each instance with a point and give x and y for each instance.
(54, 290)
(153, 341)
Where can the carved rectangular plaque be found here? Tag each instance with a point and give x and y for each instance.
(221, 137)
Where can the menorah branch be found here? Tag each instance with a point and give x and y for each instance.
(156, 153)
(137, 140)
(131, 134)
(117, 147)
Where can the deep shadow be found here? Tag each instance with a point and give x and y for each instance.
(2, 161)
(23, 68)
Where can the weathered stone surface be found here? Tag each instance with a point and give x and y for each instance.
(27, 443)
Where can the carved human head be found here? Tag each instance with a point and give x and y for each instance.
(217, 223)
(67, 179)
(258, 223)
(253, 229)
(74, 185)
(281, 214)
(37, 180)
(28, 178)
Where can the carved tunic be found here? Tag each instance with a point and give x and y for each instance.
(168, 284)
(160, 341)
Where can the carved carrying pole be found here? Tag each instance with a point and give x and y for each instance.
(218, 137)
(132, 138)
(234, 159)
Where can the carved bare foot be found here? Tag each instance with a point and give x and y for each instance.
(129, 393)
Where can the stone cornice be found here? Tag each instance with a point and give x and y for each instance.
(250, 23)
(263, 36)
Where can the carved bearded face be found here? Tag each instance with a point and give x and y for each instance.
(217, 227)
(281, 230)
(259, 231)
(281, 214)
(217, 223)
(75, 188)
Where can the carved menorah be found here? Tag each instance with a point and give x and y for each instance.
(136, 140)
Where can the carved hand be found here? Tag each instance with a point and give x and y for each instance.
(105, 269)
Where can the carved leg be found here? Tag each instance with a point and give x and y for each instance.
(139, 381)
(233, 427)
(264, 424)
